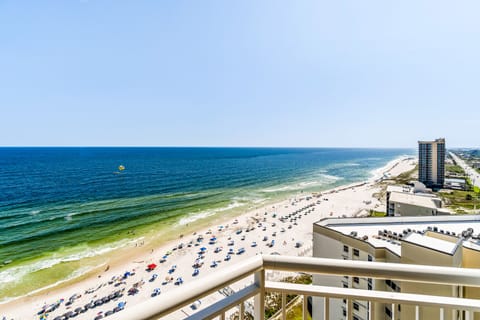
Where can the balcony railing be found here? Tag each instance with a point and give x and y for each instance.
(256, 267)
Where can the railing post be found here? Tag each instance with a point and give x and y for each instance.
(284, 303)
(467, 315)
(350, 309)
(241, 309)
(305, 307)
(259, 300)
(326, 308)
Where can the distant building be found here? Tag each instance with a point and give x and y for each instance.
(431, 162)
(451, 241)
(456, 183)
(413, 201)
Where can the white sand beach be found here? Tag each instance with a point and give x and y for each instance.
(253, 231)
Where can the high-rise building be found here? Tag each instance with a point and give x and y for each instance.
(431, 162)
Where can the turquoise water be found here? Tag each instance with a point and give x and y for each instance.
(64, 205)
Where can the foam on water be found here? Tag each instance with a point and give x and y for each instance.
(331, 177)
(208, 213)
(15, 274)
(75, 274)
(323, 179)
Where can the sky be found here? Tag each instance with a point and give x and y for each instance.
(239, 73)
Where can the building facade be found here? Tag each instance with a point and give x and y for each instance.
(450, 241)
(416, 200)
(431, 162)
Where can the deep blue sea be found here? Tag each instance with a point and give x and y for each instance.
(60, 205)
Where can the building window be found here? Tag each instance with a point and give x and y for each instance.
(370, 286)
(356, 252)
(392, 285)
(345, 285)
(356, 280)
(370, 258)
(356, 306)
(344, 312)
(356, 318)
(345, 249)
(388, 312)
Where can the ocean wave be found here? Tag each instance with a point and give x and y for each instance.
(350, 164)
(331, 177)
(75, 274)
(259, 200)
(322, 180)
(207, 213)
(15, 274)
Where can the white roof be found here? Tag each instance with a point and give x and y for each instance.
(399, 188)
(413, 199)
(370, 227)
(432, 243)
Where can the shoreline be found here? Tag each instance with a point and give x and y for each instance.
(129, 258)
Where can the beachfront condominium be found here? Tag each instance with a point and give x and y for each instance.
(431, 162)
(449, 241)
(416, 200)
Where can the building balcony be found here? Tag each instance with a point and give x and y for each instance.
(253, 274)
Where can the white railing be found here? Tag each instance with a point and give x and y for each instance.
(258, 265)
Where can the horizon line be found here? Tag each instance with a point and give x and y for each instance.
(209, 146)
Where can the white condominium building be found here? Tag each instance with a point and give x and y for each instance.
(451, 241)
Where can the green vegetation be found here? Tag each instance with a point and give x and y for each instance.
(406, 177)
(296, 311)
(273, 300)
(453, 168)
(374, 213)
(461, 200)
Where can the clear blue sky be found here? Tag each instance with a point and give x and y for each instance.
(239, 73)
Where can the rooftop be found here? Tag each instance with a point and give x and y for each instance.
(426, 201)
(431, 242)
(389, 232)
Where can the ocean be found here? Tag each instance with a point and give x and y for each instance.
(63, 210)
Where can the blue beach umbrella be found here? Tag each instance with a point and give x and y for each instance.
(203, 249)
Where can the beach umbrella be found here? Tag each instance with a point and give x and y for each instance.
(151, 266)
